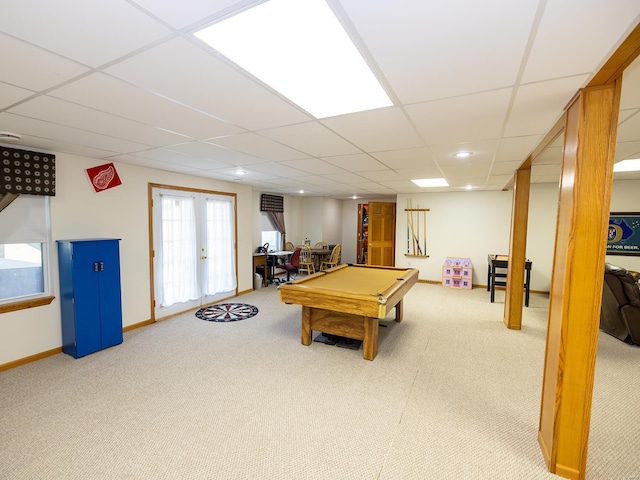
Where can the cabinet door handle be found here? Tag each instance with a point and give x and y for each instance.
(204, 257)
(102, 266)
(95, 266)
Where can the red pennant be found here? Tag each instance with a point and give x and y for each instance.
(103, 177)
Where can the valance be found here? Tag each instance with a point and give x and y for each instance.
(27, 172)
(271, 203)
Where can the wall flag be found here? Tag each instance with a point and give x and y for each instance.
(103, 177)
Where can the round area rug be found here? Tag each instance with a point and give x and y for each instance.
(227, 312)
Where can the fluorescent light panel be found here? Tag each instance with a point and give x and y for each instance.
(431, 182)
(631, 165)
(299, 49)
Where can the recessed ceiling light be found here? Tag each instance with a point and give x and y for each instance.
(468, 187)
(431, 182)
(240, 172)
(300, 50)
(631, 165)
(301, 192)
(355, 197)
(463, 154)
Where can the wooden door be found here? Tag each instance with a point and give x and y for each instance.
(382, 234)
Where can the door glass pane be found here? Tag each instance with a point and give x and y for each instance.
(220, 241)
(179, 248)
(21, 272)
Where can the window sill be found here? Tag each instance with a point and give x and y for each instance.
(36, 302)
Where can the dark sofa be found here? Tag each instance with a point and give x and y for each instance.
(620, 312)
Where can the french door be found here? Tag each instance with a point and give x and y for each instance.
(194, 249)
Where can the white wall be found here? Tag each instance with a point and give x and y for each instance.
(475, 224)
(121, 212)
(331, 222)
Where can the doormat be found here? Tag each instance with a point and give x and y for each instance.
(337, 340)
(227, 312)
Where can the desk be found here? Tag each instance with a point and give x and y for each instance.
(349, 300)
(260, 260)
(501, 262)
(273, 261)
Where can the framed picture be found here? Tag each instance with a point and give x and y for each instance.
(623, 237)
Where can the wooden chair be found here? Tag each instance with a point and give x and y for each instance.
(321, 245)
(334, 259)
(289, 246)
(306, 260)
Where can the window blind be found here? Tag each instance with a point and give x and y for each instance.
(25, 220)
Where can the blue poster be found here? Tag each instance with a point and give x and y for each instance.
(623, 237)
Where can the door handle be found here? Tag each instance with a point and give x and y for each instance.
(203, 257)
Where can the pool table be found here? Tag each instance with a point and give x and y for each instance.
(349, 300)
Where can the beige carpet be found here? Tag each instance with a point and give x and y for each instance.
(452, 394)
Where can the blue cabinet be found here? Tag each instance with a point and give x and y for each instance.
(90, 295)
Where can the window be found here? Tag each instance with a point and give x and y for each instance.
(270, 235)
(24, 253)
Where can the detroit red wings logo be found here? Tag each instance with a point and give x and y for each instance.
(103, 177)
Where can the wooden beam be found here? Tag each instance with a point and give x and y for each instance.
(577, 278)
(517, 250)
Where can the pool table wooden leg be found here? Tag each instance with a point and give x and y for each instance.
(399, 311)
(370, 341)
(306, 325)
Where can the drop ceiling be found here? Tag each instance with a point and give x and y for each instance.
(126, 81)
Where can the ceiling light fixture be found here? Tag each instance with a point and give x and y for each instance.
(463, 154)
(9, 137)
(301, 50)
(431, 182)
(301, 192)
(468, 187)
(631, 165)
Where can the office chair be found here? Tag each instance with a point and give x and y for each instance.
(292, 264)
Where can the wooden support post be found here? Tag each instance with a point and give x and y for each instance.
(517, 249)
(577, 278)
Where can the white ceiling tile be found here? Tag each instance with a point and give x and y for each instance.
(61, 133)
(314, 180)
(436, 49)
(91, 33)
(409, 158)
(10, 94)
(278, 168)
(630, 96)
(86, 119)
(505, 168)
(481, 151)
(344, 177)
(114, 96)
(462, 119)
(628, 130)
(382, 175)
(575, 35)
(185, 12)
(383, 129)
(34, 69)
(185, 73)
(537, 106)
(627, 150)
(208, 151)
(427, 171)
(258, 146)
(517, 148)
(313, 165)
(550, 156)
(311, 138)
(359, 162)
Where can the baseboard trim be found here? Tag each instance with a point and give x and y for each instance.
(138, 325)
(30, 359)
